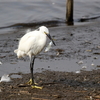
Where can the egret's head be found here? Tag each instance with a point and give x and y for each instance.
(46, 31)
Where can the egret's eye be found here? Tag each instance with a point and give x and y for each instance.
(38, 29)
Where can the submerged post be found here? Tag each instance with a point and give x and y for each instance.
(69, 12)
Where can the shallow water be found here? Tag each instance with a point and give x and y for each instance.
(28, 11)
(69, 65)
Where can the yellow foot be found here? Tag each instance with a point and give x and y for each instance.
(36, 87)
(33, 86)
(30, 82)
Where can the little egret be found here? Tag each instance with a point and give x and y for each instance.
(31, 44)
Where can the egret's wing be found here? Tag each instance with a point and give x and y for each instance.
(26, 44)
(32, 43)
(26, 36)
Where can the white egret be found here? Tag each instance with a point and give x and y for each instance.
(31, 44)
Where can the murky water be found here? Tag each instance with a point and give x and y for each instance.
(71, 65)
(35, 11)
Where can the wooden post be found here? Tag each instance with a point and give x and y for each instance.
(69, 12)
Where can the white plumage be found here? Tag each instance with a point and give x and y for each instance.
(32, 43)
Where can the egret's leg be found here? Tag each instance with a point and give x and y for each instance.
(31, 68)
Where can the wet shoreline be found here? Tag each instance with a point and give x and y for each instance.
(74, 43)
(79, 42)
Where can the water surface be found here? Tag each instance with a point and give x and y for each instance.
(14, 12)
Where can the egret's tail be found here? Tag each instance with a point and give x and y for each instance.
(19, 53)
(15, 51)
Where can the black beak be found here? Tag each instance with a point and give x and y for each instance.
(51, 39)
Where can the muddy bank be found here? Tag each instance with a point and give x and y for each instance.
(79, 43)
(56, 86)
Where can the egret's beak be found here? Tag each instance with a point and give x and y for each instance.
(51, 39)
